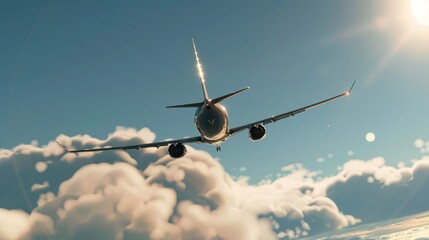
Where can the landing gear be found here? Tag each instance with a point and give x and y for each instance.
(218, 149)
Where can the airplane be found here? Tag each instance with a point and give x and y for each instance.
(211, 121)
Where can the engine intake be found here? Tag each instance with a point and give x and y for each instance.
(257, 132)
(177, 150)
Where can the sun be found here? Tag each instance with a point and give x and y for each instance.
(420, 10)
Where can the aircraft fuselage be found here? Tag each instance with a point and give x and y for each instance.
(211, 120)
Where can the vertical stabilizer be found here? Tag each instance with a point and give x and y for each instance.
(200, 73)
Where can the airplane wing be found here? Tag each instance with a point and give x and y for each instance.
(138, 146)
(288, 114)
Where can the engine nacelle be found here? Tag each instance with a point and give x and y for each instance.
(257, 132)
(177, 150)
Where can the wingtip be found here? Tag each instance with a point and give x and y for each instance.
(244, 89)
(351, 88)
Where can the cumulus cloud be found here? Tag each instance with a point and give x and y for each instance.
(13, 224)
(373, 191)
(16, 225)
(26, 165)
(116, 201)
(113, 195)
(147, 195)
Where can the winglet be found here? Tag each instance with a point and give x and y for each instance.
(62, 146)
(351, 88)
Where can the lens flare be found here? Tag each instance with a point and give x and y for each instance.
(370, 137)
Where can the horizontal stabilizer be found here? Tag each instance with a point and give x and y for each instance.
(219, 99)
(189, 105)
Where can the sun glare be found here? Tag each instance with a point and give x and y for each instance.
(420, 10)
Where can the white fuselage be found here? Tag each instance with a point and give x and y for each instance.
(211, 120)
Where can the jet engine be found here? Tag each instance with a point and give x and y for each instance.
(257, 132)
(177, 150)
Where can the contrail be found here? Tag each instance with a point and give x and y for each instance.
(11, 95)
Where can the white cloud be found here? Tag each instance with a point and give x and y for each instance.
(146, 194)
(37, 164)
(13, 224)
(372, 191)
(130, 205)
(39, 186)
(41, 166)
(17, 225)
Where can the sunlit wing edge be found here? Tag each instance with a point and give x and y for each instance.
(137, 147)
(292, 113)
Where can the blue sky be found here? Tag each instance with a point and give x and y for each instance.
(87, 67)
